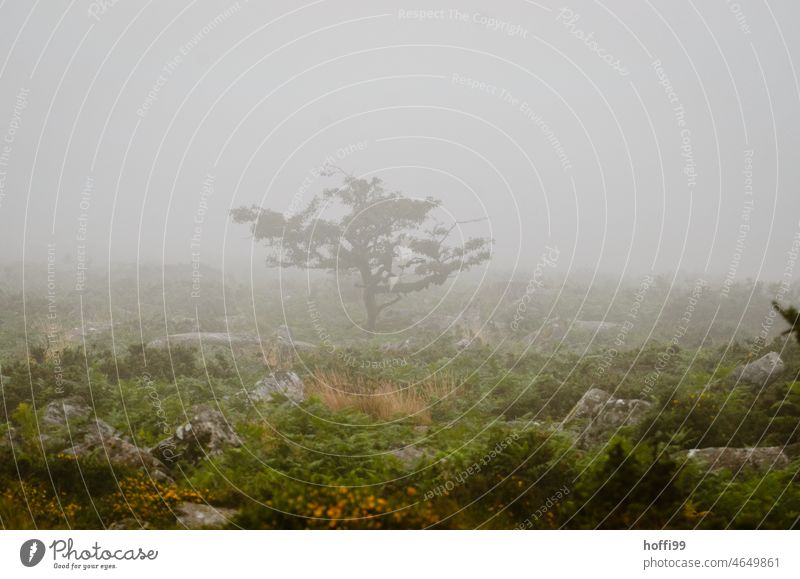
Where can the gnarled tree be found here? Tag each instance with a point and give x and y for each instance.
(391, 241)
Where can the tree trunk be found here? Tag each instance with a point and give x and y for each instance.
(371, 305)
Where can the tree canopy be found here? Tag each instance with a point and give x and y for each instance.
(392, 241)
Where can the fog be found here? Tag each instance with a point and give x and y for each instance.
(378, 265)
(657, 137)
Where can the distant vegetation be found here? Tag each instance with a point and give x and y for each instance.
(418, 429)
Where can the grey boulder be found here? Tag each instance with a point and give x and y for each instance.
(762, 371)
(286, 383)
(120, 453)
(734, 459)
(202, 516)
(598, 414)
(408, 455)
(207, 433)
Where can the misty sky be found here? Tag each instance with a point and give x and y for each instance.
(619, 132)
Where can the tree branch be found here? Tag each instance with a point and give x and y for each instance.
(389, 303)
(456, 224)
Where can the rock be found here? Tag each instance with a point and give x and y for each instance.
(792, 451)
(202, 516)
(206, 434)
(726, 458)
(282, 332)
(551, 330)
(463, 344)
(284, 336)
(73, 420)
(600, 414)
(619, 412)
(762, 371)
(280, 382)
(98, 427)
(282, 348)
(118, 452)
(408, 455)
(129, 524)
(67, 410)
(594, 326)
(589, 405)
(71, 412)
(205, 338)
(9, 438)
(407, 345)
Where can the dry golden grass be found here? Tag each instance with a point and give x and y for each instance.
(382, 400)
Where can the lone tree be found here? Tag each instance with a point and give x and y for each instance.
(390, 240)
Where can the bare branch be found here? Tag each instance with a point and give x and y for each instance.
(389, 303)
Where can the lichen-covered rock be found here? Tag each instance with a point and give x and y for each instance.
(463, 344)
(202, 516)
(408, 455)
(60, 412)
(73, 421)
(619, 412)
(207, 433)
(733, 459)
(589, 405)
(280, 382)
(118, 452)
(762, 371)
(598, 414)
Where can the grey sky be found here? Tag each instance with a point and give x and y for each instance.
(503, 110)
